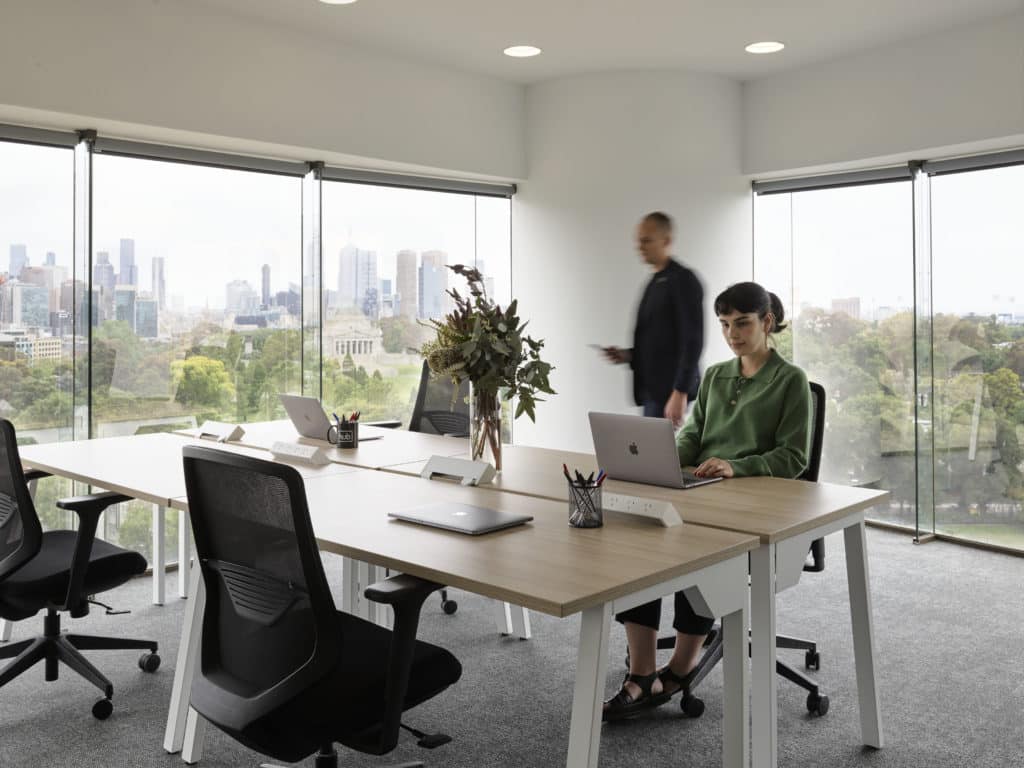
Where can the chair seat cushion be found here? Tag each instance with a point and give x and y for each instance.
(43, 580)
(346, 706)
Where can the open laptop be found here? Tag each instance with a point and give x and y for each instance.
(463, 518)
(640, 449)
(307, 415)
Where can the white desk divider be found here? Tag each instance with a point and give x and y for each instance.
(657, 509)
(467, 471)
(292, 452)
(219, 431)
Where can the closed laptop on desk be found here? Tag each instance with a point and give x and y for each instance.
(463, 518)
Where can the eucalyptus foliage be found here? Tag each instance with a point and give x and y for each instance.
(480, 342)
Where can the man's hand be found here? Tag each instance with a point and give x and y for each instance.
(616, 355)
(675, 408)
(714, 467)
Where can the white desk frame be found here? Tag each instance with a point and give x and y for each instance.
(722, 590)
(775, 567)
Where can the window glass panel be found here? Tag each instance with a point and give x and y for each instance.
(196, 281)
(978, 275)
(842, 262)
(37, 302)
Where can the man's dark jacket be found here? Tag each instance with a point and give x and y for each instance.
(669, 336)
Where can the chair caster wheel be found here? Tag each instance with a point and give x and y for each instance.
(692, 706)
(817, 704)
(102, 709)
(812, 660)
(449, 607)
(149, 662)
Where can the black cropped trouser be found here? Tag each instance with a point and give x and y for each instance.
(686, 621)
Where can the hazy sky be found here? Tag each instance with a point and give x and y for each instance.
(213, 225)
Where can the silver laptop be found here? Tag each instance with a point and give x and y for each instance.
(640, 449)
(307, 415)
(464, 518)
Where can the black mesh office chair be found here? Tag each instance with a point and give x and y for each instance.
(817, 703)
(57, 571)
(436, 413)
(281, 670)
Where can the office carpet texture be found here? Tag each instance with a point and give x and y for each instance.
(949, 643)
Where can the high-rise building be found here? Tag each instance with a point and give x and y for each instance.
(30, 305)
(265, 295)
(290, 300)
(73, 301)
(347, 269)
(19, 259)
(51, 259)
(850, 306)
(129, 274)
(357, 280)
(433, 284)
(103, 277)
(146, 314)
(159, 284)
(406, 283)
(124, 304)
(240, 298)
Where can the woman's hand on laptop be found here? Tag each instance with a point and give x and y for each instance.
(714, 467)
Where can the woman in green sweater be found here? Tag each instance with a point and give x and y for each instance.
(752, 416)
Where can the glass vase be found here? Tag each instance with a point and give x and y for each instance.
(485, 427)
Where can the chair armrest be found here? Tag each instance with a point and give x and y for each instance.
(386, 424)
(405, 594)
(35, 474)
(88, 508)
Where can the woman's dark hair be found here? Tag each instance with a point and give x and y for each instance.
(751, 297)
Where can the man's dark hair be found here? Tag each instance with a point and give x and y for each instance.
(661, 220)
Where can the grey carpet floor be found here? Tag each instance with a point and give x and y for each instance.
(950, 651)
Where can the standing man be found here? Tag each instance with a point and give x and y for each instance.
(669, 333)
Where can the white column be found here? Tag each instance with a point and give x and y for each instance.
(764, 714)
(588, 690)
(858, 581)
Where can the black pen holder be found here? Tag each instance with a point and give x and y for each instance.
(585, 505)
(345, 434)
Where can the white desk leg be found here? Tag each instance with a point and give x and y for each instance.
(520, 621)
(736, 690)
(764, 717)
(195, 737)
(588, 690)
(159, 559)
(502, 617)
(349, 585)
(5, 630)
(184, 671)
(184, 552)
(863, 633)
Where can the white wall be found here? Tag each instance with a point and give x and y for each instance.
(603, 150)
(936, 93)
(163, 70)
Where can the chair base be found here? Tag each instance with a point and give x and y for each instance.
(54, 648)
(327, 757)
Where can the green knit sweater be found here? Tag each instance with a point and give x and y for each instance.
(761, 424)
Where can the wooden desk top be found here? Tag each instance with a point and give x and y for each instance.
(767, 507)
(146, 467)
(544, 565)
(393, 446)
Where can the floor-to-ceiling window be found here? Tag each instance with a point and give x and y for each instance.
(39, 297)
(977, 228)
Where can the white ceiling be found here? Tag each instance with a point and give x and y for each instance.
(600, 35)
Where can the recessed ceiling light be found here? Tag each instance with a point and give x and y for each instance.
(765, 47)
(522, 51)
(337, 2)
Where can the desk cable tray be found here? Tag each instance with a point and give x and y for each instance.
(466, 471)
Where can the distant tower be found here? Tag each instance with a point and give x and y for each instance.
(129, 274)
(51, 259)
(406, 283)
(159, 284)
(433, 284)
(19, 260)
(265, 297)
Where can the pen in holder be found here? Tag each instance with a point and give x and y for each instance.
(345, 433)
(585, 505)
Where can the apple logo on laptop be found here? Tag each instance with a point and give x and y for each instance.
(633, 449)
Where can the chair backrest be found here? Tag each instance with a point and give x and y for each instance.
(21, 534)
(269, 610)
(434, 411)
(814, 466)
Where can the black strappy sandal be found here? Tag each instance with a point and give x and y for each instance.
(690, 704)
(623, 705)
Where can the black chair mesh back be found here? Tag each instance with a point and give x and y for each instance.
(434, 411)
(267, 599)
(21, 534)
(817, 432)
